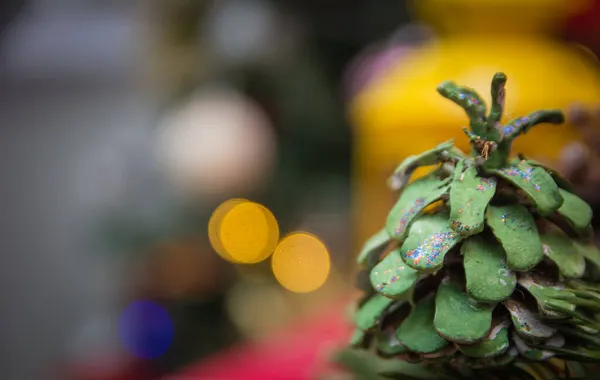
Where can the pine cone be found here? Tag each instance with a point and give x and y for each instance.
(484, 266)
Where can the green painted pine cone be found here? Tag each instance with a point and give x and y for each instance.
(483, 264)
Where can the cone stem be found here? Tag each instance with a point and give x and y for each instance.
(491, 140)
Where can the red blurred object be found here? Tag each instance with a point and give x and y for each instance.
(584, 27)
(298, 353)
(129, 370)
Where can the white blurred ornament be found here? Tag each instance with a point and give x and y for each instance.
(216, 144)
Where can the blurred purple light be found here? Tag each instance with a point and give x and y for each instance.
(146, 329)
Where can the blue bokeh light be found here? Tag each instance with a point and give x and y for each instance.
(146, 329)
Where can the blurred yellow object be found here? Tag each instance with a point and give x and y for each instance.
(243, 232)
(400, 113)
(257, 309)
(301, 262)
(214, 227)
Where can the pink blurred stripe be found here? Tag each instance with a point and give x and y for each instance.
(297, 353)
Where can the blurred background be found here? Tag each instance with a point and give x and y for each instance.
(125, 123)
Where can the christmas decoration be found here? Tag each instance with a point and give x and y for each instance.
(484, 267)
(218, 142)
(396, 115)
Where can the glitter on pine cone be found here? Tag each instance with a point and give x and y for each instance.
(497, 283)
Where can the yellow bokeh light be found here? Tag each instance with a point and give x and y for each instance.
(214, 227)
(243, 232)
(301, 262)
